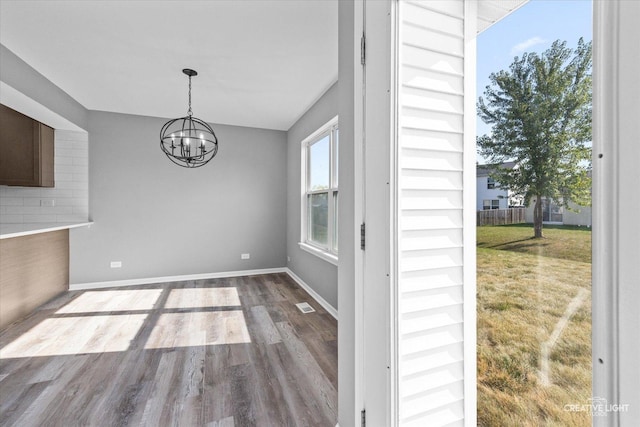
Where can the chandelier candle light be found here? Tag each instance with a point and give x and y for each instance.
(188, 141)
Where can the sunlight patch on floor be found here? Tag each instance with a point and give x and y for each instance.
(203, 297)
(113, 301)
(199, 329)
(96, 334)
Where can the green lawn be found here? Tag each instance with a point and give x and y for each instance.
(563, 242)
(525, 287)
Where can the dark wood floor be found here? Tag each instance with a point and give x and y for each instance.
(218, 352)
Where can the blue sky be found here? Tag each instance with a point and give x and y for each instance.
(532, 28)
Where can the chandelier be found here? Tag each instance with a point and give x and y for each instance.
(188, 141)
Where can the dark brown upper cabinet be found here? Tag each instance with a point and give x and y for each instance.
(26, 150)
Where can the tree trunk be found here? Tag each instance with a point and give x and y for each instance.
(537, 218)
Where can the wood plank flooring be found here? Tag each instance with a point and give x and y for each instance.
(229, 352)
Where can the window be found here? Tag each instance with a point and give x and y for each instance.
(551, 212)
(319, 219)
(490, 204)
(491, 183)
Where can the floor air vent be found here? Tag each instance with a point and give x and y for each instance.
(305, 307)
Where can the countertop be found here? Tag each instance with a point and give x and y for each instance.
(17, 230)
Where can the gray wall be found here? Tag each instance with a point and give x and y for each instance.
(22, 77)
(160, 219)
(321, 275)
(347, 55)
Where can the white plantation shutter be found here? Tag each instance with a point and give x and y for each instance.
(431, 257)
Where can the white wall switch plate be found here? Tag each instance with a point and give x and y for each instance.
(245, 256)
(48, 202)
(116, 264)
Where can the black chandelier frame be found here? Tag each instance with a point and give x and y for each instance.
(188, 141)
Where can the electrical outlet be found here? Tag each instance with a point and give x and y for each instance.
(47, 203)
(116, 264)
(288, 259)
(245, 256)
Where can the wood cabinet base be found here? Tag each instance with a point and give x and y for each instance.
(33, 269)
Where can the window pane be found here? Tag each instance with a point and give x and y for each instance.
(319, 164)
(335, 221)
(337, 157)
(318, 217)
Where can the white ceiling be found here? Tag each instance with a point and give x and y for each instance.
(260, 63)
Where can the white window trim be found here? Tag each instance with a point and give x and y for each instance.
(329, 257)
(325, 253)
(469, 217)
(615, 269)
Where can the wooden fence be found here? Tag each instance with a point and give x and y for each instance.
(500, 216)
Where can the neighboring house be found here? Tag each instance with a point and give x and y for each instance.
(553, 213)
(489, 195)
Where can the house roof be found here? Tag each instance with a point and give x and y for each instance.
(485, 170)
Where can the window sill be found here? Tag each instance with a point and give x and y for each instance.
(329, 257)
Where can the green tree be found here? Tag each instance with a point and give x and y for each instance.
(540, 117)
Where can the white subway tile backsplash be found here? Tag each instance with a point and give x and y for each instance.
(80, 177)
(20, 210)
(64, 152)
(11, 219)
(39, 218)
(72, 136)
(35, 210)
(31, 202)
(20, 192)
(11, 201)
(72, 185)
(71, 218)
(58, 193)
(70, 197)
(57, 210)
(63, 177)
(59, 160)
(81, 161)
(71, 168)
(63, 145)
(73, 201)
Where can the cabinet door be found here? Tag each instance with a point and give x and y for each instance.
(46, 135)
(26, 150)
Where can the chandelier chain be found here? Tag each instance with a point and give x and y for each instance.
(189, 112)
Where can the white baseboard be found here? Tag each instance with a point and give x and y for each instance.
(145, 281)
(330, 309)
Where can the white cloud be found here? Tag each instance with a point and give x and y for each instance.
(521, 47)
